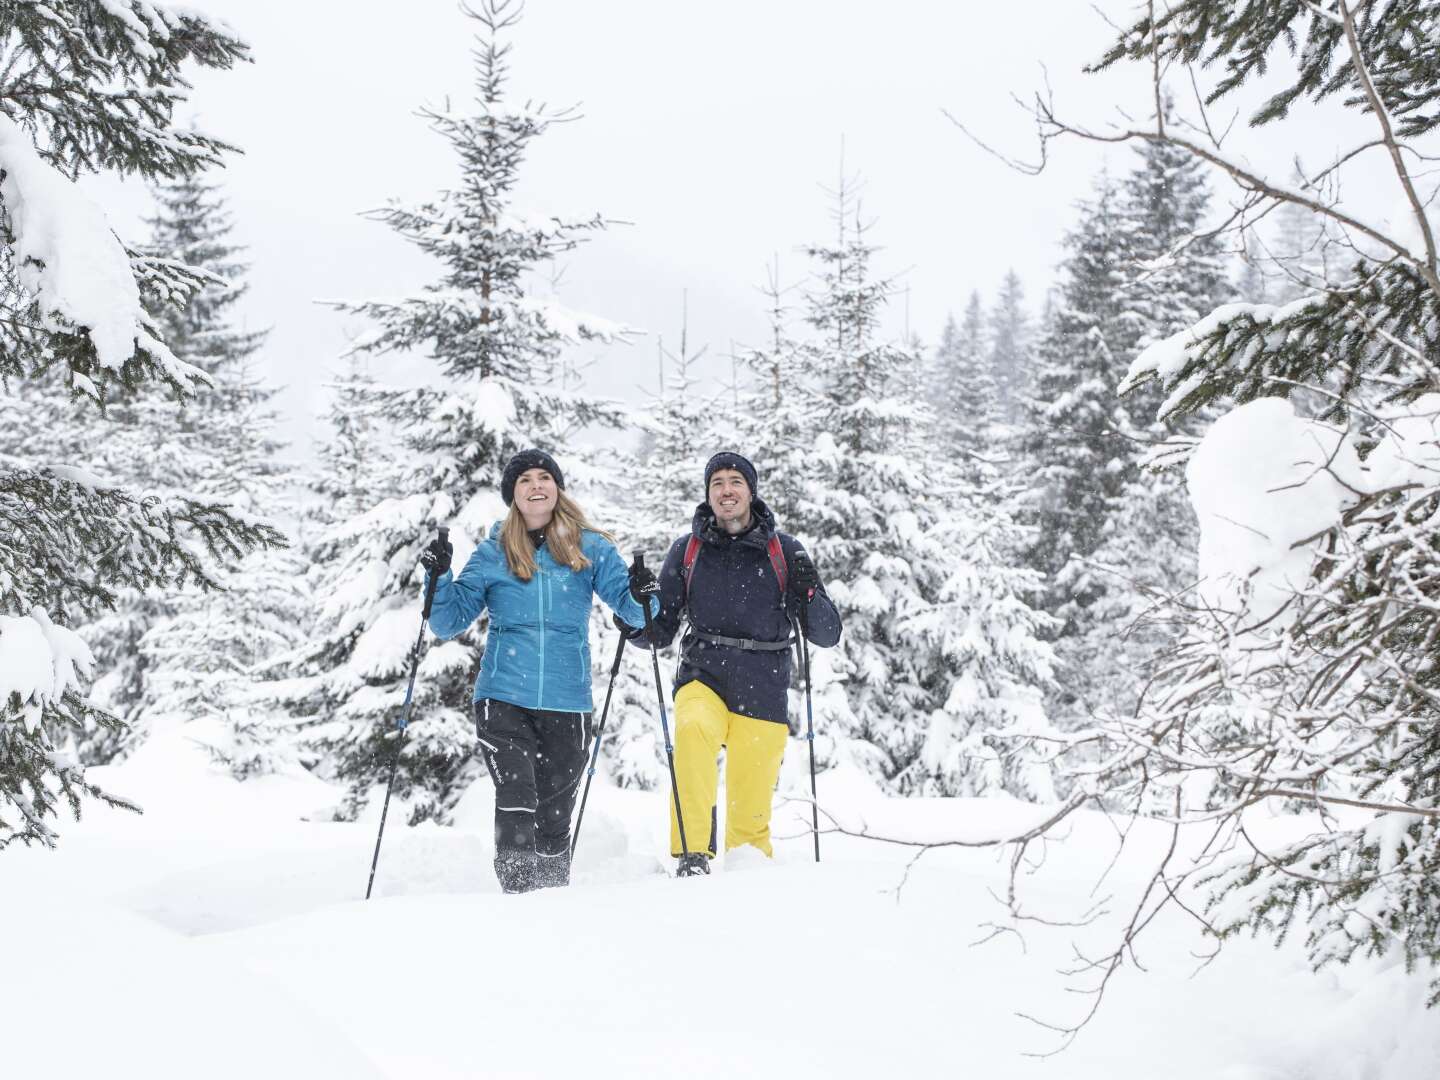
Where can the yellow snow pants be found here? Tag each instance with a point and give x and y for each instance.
(753, 751)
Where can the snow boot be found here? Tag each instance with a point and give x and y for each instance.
(515, 869)
(696, 864)
(552, 871)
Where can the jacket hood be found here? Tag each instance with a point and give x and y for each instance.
(703, 525)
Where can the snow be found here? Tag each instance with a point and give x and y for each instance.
(1409, 453)
(383, 649)
(69, 259)
(223, 935)
(494, 406)
(1403, 226)
(1263, 482)
(39, 661)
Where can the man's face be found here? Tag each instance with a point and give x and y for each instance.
(729, 497)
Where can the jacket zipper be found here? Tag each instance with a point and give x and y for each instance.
(540, 601)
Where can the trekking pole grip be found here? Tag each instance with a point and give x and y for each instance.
(434, 579)
(639, 564)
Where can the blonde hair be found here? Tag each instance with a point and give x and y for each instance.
(562, 536)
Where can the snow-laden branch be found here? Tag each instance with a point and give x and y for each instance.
(71, 263)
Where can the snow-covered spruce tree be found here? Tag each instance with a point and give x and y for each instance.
(357, 467)
(498, 340)
(1115, 530)
(205, 445)
(201, 656)
(988, 731)
(88, 88)
(1070, 445)
(780, 411)
(963, 391)
(1176, 270)
(922, 710)
(355, 457)
(185, 654)
(1009, 335)
(1306, 676)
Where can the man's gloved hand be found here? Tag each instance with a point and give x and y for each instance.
(643, 584)
(804, 578)
(436, 557)
(630, 632)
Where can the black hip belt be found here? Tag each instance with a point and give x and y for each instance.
(748, 644)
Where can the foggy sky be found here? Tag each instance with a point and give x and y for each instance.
(711, 129)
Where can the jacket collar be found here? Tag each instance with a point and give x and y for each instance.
(703, 525)
(542, 552)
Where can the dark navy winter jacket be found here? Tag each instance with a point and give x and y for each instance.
(734, 593)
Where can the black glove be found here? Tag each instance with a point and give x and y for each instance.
(630, 632)
(436, 557)
(804, 578)
(643, 584)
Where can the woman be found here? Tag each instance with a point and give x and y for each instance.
(535, 574)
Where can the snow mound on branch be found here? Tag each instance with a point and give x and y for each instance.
(39, 661)
(494, 406)
(1263, 482)
(384, 646)
(476, 517)
(1410, 452)
(69, 259)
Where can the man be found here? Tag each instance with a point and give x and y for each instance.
(742, 584)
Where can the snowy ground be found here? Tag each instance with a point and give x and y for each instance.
(220, 935)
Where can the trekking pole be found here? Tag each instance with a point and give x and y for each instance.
(599, 735)
(801, 630)
(664, 723)
(404, 715)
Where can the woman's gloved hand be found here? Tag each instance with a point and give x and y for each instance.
(643, 584)
(436, 558)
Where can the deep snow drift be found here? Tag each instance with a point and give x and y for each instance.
(221, 935)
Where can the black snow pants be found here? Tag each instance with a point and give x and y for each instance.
(536, 759)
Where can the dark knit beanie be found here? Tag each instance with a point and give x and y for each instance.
(522, 462)
(727, 460)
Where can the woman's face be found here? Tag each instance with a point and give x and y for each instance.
(535, 495)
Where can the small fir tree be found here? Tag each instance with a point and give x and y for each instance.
(498, 338)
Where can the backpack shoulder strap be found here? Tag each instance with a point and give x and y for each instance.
(773, 549)
(692, 549)
(777, 561)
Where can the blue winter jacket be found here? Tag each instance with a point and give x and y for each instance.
(537, 652)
